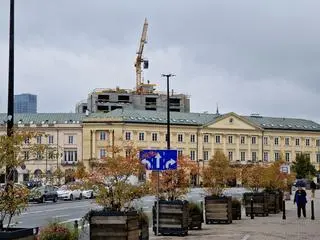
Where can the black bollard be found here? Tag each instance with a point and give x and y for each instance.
(76, 226)
(312, 210)
(251, 202)
(284, 209)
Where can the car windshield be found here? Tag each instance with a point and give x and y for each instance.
(63, 188)
(40, 189)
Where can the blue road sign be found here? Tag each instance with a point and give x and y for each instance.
(159, 159)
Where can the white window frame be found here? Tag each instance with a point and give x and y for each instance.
(218, 139)
(230, 139)
(265, 140)
(276, 141)
(154, 137)
(180, 152)
(192, 138)
(39, 139)
(127, 136)
(253, 140)
(141, 136)
(287, 156)
(307, 142)
(276, 156)
(206, 138)
(254, 156)
(180, 137)
(242, 156)
(265, 156)
(102, 135)
(102, 153)
(192, 155)
(230, 156)
(205, 155)
(70, 139)
(297, 141)
(287, 141)
(50, 139)
(242, 140)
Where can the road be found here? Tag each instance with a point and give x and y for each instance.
(38, 215)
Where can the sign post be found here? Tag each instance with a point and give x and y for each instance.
(159, 160)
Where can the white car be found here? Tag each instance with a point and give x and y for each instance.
(89, 193)
(66, 192)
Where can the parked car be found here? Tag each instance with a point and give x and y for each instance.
(90, 193)
(43, 193)
(67, 192)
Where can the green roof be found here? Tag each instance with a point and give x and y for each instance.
(144, 116)
(49, 118)
(284, 123)
(160, 117)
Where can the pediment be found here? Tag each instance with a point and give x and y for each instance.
(233, 121)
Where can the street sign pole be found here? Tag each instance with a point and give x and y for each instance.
(158, 196)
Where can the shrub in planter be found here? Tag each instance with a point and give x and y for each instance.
(111, 176)
(260, 203)
(173, 211)
(57, 231)
(215, 177)
(195, 215)
(236, 209)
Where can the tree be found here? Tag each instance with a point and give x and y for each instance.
(303, 167)
(112, 176)
(217, 173)
(13, 198)
(254, 176)
(173, 184)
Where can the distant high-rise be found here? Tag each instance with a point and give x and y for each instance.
(25, 103)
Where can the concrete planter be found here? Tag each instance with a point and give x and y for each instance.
(114, 225)
(218, 209)
(173, 217)
(19, 234)
(260, 203)
(195, 216)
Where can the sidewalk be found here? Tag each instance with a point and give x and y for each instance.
(260, 228)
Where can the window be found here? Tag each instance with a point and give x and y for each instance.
(242, 140)
(128, 136)
(39, 156)
(51, 155)
(297, 141)
(254, 140)
(218, 139)
(128, 152)
(265, 140)
(141, 136)
(180, 152)
(287, 157)
(192, 138)
(276, 141)
(307, 142)
(27, 140)
(102, 136)
(102, 153)
(318, 157)
(266, 156)
(242, 156)
(50, 139)
(192, 155)
(39, 140)
(254, 156)
(154, 137)
(70, 139)
(276, 156)
(230, 156)
(318, 142)
(230, 139)
(180, 138)
(70, 156)
(26, 155)
(205, 155)
(206, 138)
(287, 141)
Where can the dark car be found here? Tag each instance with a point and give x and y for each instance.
(43, 193)
(32, 184)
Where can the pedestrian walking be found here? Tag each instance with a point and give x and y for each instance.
(313, 187)
(300, 198)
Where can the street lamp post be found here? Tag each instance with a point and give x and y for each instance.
(10, 113)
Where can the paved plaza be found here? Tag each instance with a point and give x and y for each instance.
(260, 228)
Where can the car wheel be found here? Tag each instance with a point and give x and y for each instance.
(91, 196)
(80, 196)
(71, 197)
(55, 199)
(43, 199)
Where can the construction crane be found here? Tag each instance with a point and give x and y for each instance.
(139, 58)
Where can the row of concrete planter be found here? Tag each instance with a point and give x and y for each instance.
(263, 203)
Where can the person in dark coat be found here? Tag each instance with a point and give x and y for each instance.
(313, 187)
(300, 198)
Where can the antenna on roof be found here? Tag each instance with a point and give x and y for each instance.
(217, 112)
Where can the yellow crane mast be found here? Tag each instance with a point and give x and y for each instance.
(139, 58)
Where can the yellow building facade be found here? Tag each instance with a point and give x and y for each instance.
(243, 139)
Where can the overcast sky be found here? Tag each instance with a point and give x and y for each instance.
(247, 56)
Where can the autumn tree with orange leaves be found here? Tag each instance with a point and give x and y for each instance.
(254, 176)
(217, 173)
(174, 184)
(112, 177)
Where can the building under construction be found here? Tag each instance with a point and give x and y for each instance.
(143, 97)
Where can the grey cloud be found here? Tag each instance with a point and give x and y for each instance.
(249, 55)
